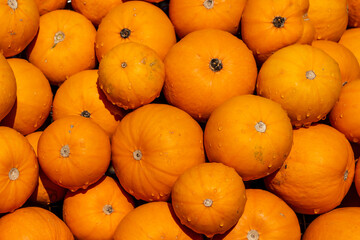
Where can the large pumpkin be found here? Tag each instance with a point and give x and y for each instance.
(209, 198)
(19, 25)
(265, 217)
(135, 21)
(318, 171)
(8, 87)
(249, 133)
(205, 68)
(64, 45)
(74, 152)
(94, 213)
(152, 146)
(19, 170)
(305, 80)
(350, 39)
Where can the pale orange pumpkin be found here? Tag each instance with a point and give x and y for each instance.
(250, 133)
(350, 39)
(46, 6)
(354, 13)
(318, 171)
(8, 87)
(152, 146)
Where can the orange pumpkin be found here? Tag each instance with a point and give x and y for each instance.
(64, 45)
(267, 26)
(318, 171)
(345, 115)
(305, 80)
(309, 31)
(266, 216)
(207, 64)
(152, 146)
(94, 213)
(250, 133)
(74, 152)
(350, 39)
(131, 75)
(349, 66)
(33, 223)
(340, 223)
(8, 87)
(188, 16)
(135, 21)
(19, 25)
(154, 220)
(80, 95)
(46, 6)
(329, 17)
(33, 98)
(354, 13)
(19, 170)
(46, 192)
(209, 198)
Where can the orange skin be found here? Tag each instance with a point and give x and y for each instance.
(8, 87)
(350, 39)
(354, 13)
(46, 6)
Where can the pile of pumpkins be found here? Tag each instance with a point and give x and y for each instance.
(179, 119)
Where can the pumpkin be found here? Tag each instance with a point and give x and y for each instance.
(94, 10)
(318, 171)
(354, 13)
(131, 75)
(8, 87)
(74, 152)
(80, 95)
(350, 39)
(267, 26)
(188, 16)
(33, 223)
(207, 64)
(33, 98)
(46, 6)
(329, 17)
(250, 133)
(64, 45)
(345, 115)
(340, 223)
(135, 21)
(153, 220)
(309, 31)
(94, 213)
(266, 216)
(152, 146)
(19, 169)
(19, 25)
(209, 198)
(349, 66)
(46, 192)
(304, 79)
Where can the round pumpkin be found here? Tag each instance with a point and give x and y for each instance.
(19, 170)
(33, 223)
(345, 115)
(318, 171)
(250, 133)
(153, 220)
(265, 217)
(152, 146)
(46, 6)
(304, 79)
(354, 13)
(74, 152)
(94, 213)
(33, 98)
(340, 223)
(135, 21)
(46, 192)
(64, 45)
(80, 95)
(8, 87)
(19, 25)
(205, 68)
(131, 75)
(350, 39)
(189, 15)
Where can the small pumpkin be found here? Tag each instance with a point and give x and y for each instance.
(350, 39)
(354, 13)
(209, 198)
(8, 87)
(46, 6)
(94, 213)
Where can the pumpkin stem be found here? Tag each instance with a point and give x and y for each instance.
(279, 22)
(65, 151)
(310, 75)
(107, 209)
(137, 154)
(346, 174)
(13, 4)
(215, 65)
(253, 235)
(123, 64)
(14, 174)
(208, 202)
(208, 4)
(59, 37)
(85, 113)
(260, 127)
(125, 33)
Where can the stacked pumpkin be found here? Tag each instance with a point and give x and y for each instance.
(181, 119)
